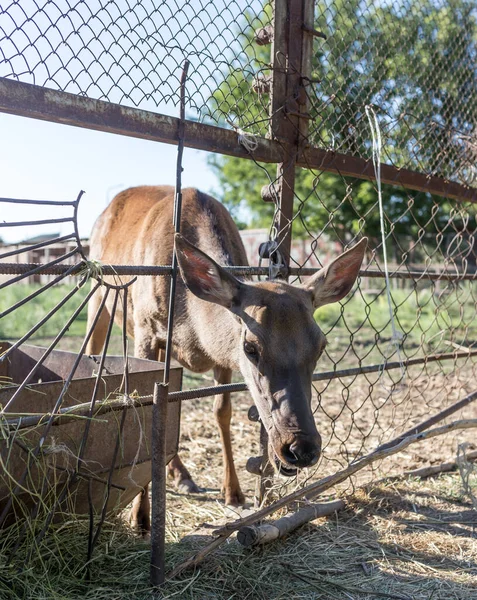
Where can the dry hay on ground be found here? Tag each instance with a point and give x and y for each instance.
(402, 539)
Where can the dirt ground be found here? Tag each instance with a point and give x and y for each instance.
(401, 538)
(408, 538)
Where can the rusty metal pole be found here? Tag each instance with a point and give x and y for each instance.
(161, 391)
(158, 487)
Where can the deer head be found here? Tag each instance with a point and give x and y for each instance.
(277, 342)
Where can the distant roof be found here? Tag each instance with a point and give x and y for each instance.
(41, 238)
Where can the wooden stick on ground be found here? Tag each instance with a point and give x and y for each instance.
(254, 535)
(440, 468)
(318, 488)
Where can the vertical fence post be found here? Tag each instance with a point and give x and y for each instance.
(158, 487)
(291, 63)
(161, 392)
(289, 103)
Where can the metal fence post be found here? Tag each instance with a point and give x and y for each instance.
(291, 62)
(158, 479)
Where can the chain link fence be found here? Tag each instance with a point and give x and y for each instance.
(402, 346)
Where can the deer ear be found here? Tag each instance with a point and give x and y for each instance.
(204, 277)
(333, 282)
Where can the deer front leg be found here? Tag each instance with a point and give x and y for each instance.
(146, 347)
(183, 481)
(223, 414)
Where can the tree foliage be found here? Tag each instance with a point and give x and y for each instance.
(415, 62)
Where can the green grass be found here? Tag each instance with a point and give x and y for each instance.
(21, 320)
(430, 322)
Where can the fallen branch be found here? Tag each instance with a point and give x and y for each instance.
(254, 535)
(444, 467)
(317, 488)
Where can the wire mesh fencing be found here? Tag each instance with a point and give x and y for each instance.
(296, 82)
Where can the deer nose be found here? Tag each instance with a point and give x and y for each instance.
(302, 452)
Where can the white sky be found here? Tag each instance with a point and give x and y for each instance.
(47, 161)
(123, 52)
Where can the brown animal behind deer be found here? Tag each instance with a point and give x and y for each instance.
(266, 329)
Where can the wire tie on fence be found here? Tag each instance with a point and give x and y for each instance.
(245, 139)
(397, 336)
(91, 269)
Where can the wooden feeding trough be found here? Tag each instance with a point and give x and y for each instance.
(49, 474)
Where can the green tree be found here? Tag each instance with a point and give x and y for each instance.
(416, 65)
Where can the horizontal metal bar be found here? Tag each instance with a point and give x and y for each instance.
(35, 271)
(23, 249)
(325, 376)
(354, 166)
(29, 223)
(37, 102)
(163, 270)
(42, 202)
(81, 411)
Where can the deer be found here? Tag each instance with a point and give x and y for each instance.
(264, 329)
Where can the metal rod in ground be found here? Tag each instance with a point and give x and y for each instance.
(158, 522)
(161, 393)
(265, 479)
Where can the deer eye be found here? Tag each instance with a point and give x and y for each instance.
(251, 350)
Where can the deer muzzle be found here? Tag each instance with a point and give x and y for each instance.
(298, 452)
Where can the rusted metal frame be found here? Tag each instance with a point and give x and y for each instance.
(37, 102)
(360, 168)
(158, 475)
(286, 102)
(36, 451)
(308, 23)
(153, 270)
(81, 410)
(68, 271)
(161, 391)
(93, 540)
(23, 249)
(48, 350)
(37, 269)
(42, 222)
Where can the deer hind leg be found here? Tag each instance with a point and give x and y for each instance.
(223, 414)
(139, 517)
(96, 341)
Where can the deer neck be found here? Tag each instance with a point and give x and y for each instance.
(218, 333)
